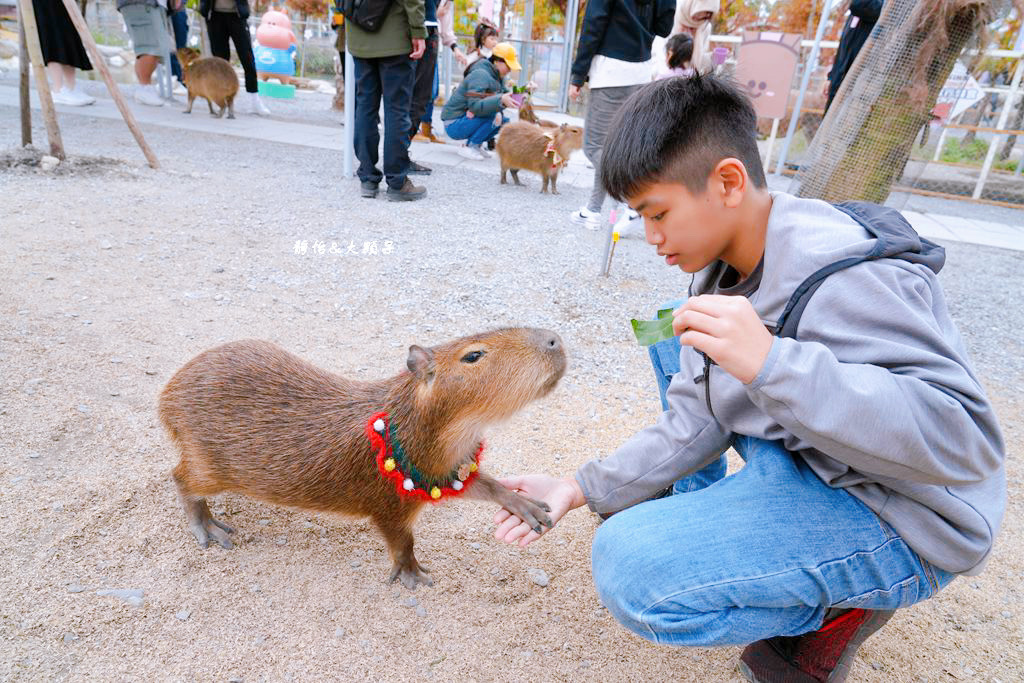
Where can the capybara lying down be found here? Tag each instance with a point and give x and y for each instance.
(527, 146)
(249, 417)
(209, 77)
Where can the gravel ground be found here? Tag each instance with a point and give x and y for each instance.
(112, 276)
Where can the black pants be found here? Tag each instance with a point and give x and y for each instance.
(423, 88)
(390, 78)
(224, 25)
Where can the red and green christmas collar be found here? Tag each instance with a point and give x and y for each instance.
(393, 464)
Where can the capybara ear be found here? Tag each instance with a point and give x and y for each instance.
(564, 126)
(421, 363)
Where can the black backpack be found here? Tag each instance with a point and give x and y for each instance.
(368, 15)
(894, 238)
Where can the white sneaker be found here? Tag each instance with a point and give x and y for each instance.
(591, 220)
(83, 97)
(486, 152)
(62, 97)
(471, 152)
(147, 94)
(254, 105)
(627, 221)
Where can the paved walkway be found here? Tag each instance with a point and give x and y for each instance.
(328, 135)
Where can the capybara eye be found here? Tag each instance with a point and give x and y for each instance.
(472, 356)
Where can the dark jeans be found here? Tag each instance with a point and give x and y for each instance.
(426, 67)
(224, 25)
(392, 79)
(179, 22)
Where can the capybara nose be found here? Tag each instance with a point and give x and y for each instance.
(548, 340)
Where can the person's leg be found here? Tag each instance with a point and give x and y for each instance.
(665, 362)
(422, 82)
(396, 81)
(463, 128)
(55, 72)
(145, 65)
(366, 134)
(428, 114)
(762, 553)
(243, 48)
(485, 131)
(218, 31)
(179, 22)
(603, 105)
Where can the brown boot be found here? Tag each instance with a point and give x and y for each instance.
(426, 134)
(822, 656)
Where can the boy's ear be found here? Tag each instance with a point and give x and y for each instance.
(730, 180)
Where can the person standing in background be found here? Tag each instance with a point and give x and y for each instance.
(227, 19)
(63, 52)
(695, 17)
(385, 68)
(863, 16)
(614, 53)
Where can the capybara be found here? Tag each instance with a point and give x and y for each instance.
(526, 113)
(530, 147)
(209, 77)
(249, 417)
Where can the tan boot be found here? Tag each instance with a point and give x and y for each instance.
(426, 134)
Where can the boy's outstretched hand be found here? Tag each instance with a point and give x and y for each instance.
(561, 494)
(728, 330)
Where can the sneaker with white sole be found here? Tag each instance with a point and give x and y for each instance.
(254, 105)
(472, 152)
(147, 94)
(627, 221)
(487, 154)
(591, 220)
(84, 97)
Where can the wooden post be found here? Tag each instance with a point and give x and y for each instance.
(115, 92)
(28, 18)
(26, 104)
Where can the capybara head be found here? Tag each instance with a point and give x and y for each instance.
(568, 139)
(487, 377)
(187, 55)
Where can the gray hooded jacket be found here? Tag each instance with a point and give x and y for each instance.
(876, 393)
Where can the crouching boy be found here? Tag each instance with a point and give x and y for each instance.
(816, 342)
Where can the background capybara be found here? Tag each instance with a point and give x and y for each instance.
(249, 417)
(527, 113)
(209, 77)
(527, 146)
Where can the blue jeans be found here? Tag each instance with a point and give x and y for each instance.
(761, 553)
(392, 79)
(179, 22)
(476, 131)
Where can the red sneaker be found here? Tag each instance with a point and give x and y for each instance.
(821, 656)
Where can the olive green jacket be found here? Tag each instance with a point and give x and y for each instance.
(403, 23)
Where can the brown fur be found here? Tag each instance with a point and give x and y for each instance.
(522, 145)
(209, 77)
(248, 417)
(526, 113)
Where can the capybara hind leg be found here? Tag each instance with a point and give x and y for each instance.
(223, 107)
(515, 176)
(405, 568)
(197, 514)
(231, 107)
(191, 98)
(210, 105)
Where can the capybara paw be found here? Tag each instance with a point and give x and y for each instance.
(410, 576)
(212, 529)
(533, 512)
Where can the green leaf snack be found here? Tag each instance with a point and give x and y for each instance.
(650, 332)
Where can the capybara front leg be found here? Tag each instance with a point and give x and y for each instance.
(231, 107)
(200, 521)
(404, 566)
(533, 512)
(210, 105)
(191, 98)
(515, 176)
(544, 185)
(504, 175)
(554, 184)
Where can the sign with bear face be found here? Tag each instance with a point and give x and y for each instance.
(765, 69)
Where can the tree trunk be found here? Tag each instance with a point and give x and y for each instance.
(865, 141)
(975, 118)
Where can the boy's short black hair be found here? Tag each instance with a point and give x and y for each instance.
(677, 130)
